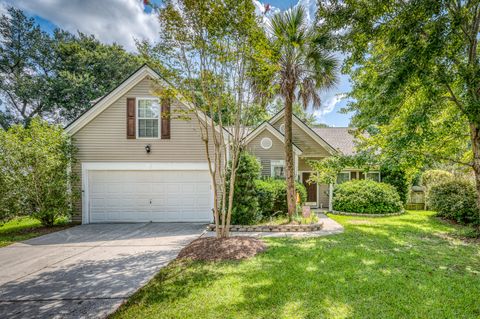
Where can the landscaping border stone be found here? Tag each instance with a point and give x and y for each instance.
(272, 228)
(335, 212)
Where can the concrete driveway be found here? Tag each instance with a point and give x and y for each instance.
(86, 271)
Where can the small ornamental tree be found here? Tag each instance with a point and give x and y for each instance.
(35, 172)
(245, 208)
(216, 55)
(398, 178)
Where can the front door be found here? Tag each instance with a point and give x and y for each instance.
(311, 188)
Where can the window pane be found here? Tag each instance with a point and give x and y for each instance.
(147, 128)
(279, 171)
(374, 176)
(343, 177)
(148, 109)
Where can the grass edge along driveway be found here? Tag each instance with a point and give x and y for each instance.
(24, 228)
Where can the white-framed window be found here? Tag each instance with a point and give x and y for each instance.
(277, 168)
(148, 118)
(282, 128)
(266, 143)
(343, 177)
(373, 176)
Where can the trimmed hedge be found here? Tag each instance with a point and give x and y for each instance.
(455, 200)
(272, 196)
(366, 197)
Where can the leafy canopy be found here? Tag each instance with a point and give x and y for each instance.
(54, 76)
(416, 76)
(35, 176)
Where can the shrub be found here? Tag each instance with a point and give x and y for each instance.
(398, 179)
(34, 167)
(366, 197)
(455, 200)
(245, 210)
(272, 195)
(434, 177)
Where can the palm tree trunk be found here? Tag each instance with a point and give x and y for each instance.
(289, 170)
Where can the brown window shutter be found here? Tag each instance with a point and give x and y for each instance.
(131, 134)
(166, 118)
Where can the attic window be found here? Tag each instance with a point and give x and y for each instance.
(148, 118)
(282, 128)
(266, 143)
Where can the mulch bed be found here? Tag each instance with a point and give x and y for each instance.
(215, 249)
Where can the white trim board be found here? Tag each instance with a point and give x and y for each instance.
(130, 166)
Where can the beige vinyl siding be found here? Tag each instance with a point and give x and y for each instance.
(304, 141)
(104, 139)
(303, 163)
(276, 152)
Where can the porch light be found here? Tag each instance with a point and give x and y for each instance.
(148, 148)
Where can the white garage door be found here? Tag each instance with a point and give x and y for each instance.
(144, 196)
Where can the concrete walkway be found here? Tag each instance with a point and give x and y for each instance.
(86, 271)
(330, 227)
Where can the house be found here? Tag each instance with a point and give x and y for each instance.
(266, 143)
(137, 165)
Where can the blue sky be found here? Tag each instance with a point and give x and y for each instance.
(122, 21)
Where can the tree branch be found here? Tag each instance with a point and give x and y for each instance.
(454, 99)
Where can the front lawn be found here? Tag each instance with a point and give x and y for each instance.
(406, 266)
(25, 228)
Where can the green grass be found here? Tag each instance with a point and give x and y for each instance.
(25, 228)
(406, 266)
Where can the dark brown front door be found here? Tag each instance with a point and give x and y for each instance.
(311, 188)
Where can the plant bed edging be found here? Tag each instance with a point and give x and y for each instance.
(335, 212)
(272, 228)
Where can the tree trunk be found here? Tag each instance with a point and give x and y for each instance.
(475, 136)
(289, 171)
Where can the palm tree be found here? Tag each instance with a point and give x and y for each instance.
(305, 66)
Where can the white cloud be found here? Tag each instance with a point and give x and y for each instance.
(310, 7)
(119, 21)
(261, 7)
(329, 105)
(3, 9)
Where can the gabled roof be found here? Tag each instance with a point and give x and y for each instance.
(341, 138)
(267, 126)
(105, 101)
(308, 130)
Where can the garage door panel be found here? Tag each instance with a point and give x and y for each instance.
(142, 196)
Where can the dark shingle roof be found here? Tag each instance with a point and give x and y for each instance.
(340, 138)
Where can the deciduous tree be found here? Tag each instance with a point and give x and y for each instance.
(215, 54)
(416, 74)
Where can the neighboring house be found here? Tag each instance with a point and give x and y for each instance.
(266, 143)
(137, 165)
